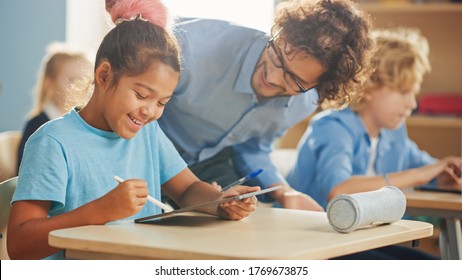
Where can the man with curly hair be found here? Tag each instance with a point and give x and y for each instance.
(240, 89)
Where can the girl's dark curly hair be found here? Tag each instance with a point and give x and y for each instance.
(337, 34)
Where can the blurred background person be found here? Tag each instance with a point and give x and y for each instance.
(63, 69)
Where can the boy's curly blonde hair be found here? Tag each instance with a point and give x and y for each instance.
(401, 60)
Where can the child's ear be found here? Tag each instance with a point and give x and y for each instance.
(102, 74)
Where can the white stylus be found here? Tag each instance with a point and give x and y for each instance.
(151, 199)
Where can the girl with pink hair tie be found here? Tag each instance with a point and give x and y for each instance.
(66, 178)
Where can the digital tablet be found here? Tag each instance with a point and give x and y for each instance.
(200, 205)
(439, 189)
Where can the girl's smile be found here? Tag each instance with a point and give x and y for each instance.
(133, 102)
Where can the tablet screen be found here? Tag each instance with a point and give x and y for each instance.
(200, 205)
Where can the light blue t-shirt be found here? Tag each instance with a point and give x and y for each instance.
(336, 146)
(71, 163)
(214, 105)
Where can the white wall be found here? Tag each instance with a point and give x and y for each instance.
(252, 13)
(86, 23)
(26, 28)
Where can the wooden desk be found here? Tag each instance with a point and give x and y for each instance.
(443, 205)
(268, 233)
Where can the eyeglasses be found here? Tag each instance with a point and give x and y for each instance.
(278, 62)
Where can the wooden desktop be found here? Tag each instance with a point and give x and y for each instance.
(269, 233)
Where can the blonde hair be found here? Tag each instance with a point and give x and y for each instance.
(401, 59)
(57, 54)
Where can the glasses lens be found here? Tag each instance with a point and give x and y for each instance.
(277, 61)
(293, 85)
(274, 56)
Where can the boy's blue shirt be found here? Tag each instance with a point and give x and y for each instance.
(336, 146)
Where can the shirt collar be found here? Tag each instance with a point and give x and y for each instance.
(243, 81)
(106, 134)
(387, 136)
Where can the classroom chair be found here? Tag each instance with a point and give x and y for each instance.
(9, 142)
(6, 193)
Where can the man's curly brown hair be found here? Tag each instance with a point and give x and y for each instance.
(337, 34)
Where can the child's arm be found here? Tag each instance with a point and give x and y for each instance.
(29, 224)
(186, 190)
(447, 171)
(451, 175)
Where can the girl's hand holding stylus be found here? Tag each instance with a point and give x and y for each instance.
(238, 209)
(125, 200)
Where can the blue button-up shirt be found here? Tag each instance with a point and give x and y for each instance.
(214, 106)
(336, 146)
